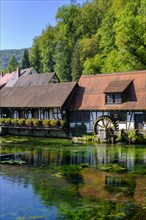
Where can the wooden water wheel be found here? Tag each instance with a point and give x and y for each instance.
(105, 123)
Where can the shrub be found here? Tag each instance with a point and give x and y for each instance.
(21, 121)
(28, 122)
(14, 121)
(7, 121)
(35, 122)
(89, 138)
(54, 122)
(46, 122)
(135, 137)
(62, 123)
(2, 121)
(78, 130)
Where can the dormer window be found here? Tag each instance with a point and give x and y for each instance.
(115, 91)
(114, 98)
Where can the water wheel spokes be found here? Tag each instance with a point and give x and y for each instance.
(105, 123)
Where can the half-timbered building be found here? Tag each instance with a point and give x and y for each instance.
(39, 101)
(101, 101)
(118, 98)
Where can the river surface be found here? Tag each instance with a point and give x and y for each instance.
(49, 179)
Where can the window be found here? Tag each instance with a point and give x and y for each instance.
(117, 98)
(113, 98)
(79, 116)
(109, 99)
(120, 116)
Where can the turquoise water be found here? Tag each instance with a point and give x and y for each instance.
(62, 180)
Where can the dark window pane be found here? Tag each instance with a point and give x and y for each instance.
(113, 98)
(79, 116)
(118, 98)
(109, 98)
(119, 116)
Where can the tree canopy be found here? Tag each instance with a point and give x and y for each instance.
(12, 65)
(96, 37)
(25, 63)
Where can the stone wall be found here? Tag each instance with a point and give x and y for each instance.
(56, 133)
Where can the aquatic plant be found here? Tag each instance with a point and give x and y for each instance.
(140, 169)
(112, 167)
(135, 137)
(72, 173)
(130, 136)
(89, 138)
(104, 211)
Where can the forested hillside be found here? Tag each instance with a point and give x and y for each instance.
(102, 36)
(5, 56)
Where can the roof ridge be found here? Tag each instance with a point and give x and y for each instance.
(115, 73)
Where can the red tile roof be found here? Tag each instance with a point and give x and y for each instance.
(90, 92)
(4, 79)
(117, 86)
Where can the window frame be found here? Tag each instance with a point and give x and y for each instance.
(113, 98)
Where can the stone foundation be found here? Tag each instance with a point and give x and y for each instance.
(56, 133)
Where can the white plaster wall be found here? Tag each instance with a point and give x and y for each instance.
(130, 125)
(16, 115)
(129, 117)
(39, 113)
(72, 124)
(50, 114)
(55, 114)
(46, 115)
(122, 126)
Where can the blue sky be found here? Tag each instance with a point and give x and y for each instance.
(22, 20)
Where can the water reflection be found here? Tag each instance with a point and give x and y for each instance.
(44, 184)
(91, 155)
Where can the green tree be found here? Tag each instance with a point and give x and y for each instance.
(76, 64)
(47, 47)
(106, 33)
(35, 55)
(130, 46)
(87, 20)
(130, 35)
(93, 65)
(66, 36)
(12, 65)
(88, 47)
(110, 34)
(62, 60)
(25, 63)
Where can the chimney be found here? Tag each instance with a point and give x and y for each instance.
(18, 72)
